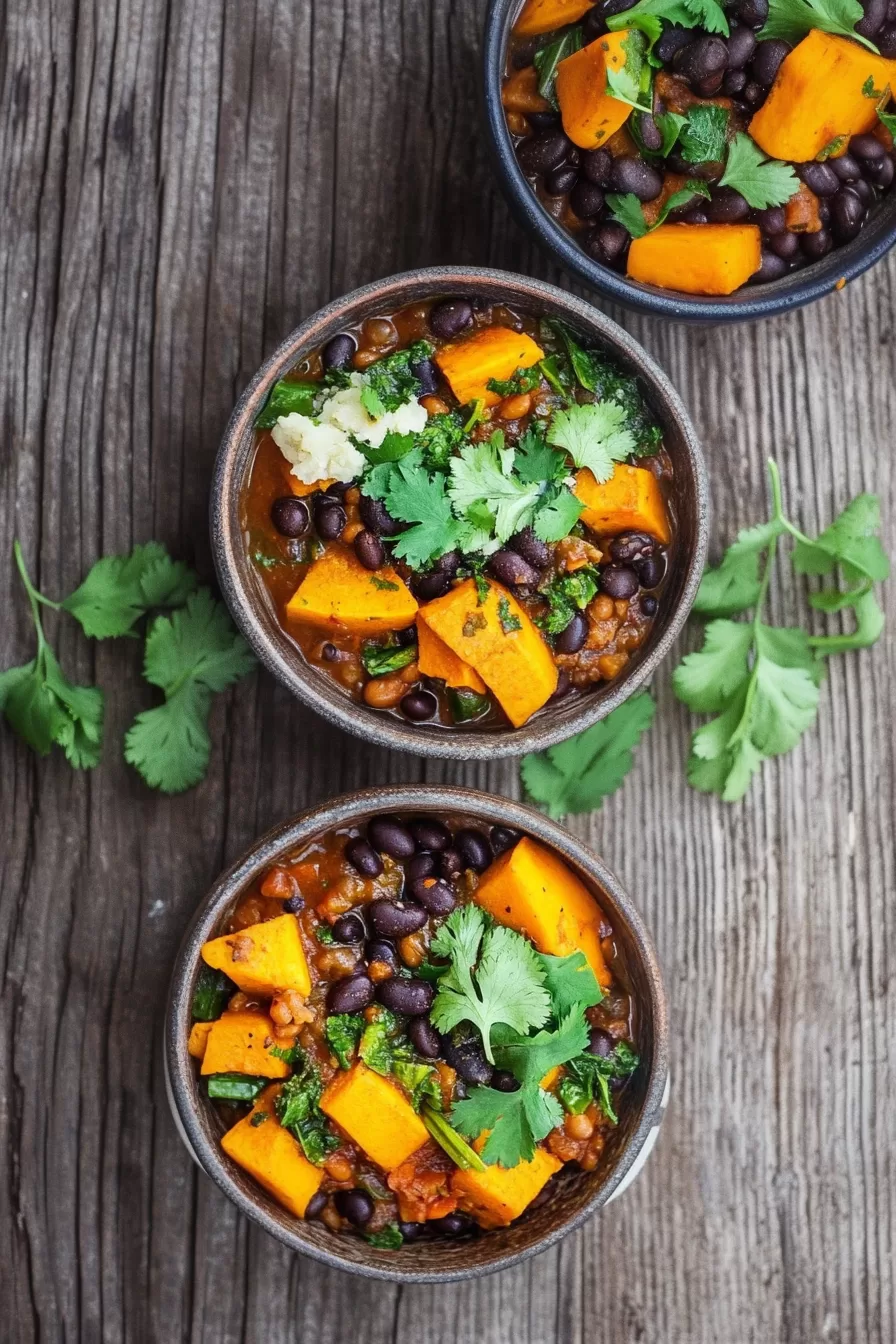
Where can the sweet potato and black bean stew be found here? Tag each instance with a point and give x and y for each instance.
(410, 1030)
(697, 147)
(460, 513)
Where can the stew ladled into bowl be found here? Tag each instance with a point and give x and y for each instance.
(699, 147)
(461, 513)
(409, 1030)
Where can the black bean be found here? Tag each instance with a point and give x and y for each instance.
(735, 82)
(421, 865)
(650, 133)
(875, 18)
(475, 849)
(767, 60)
(597, 166)
(293, 904)
(649, 604)
(290, 516)
(629, 546)
(531, 548)
(610, 7)
(673, 39)
(329, 519)
(696, 215)
(727, 206)
(866, 147)
(369, 550)
(449, 317)
(846, 167)
(434, 894)
(650, 570)
(395, 919)
(618, 581)
(425, 1038)
(771, 221)
(886, 39)
(752, 12)
(502, 838)
(452, 1225)
(412, 1231)
(847, 215)
(816, 245)
(427, 376)
(593, 25)
(355, 1205)
(753, 95)
(541, 121)
(608, 243)
(339, 352)
(504, 1081)
(561, 180)
(350, 995)
(785, 245)
(390, 836)
(741, 46)
(819, 177)
(509, 568)
(406, 637)
(467, 1059)
(350, 928)
(573, 637)
(573, 155)
(429, 834)
(564, 686)
(636, 176)
(450, 863)
(335, 491)
(411, 997)
(863, 190)
(880, 173)
(430, 585)
(449, 563)
(379, 950)
(539, 154)
(600, 1043)
(586, 199)
(710, 86)
(701, 59)
(315, 1204)
(363, 857)
(376, 517)
(418, 706)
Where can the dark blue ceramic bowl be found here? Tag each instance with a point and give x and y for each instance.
(753, 301)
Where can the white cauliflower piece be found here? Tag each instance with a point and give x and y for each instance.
(318, 452)
(345, 409)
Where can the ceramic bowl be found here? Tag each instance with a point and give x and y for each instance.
(574, 1197)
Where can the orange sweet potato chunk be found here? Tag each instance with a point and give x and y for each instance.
(339, 592)
(375, 1114)
(696, 258)
(543, 16)
(497, 639)
(240, 1043)
(520, 92)
(262, 958)
(496, 1196)
(435, 659)
(199, 1038)
(270, 1153)
(631, 500)
(492, 352)
(529, 889)
(590, 114)
(817, 97)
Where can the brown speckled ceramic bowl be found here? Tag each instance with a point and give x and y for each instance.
(574, 1195)
(243, 590)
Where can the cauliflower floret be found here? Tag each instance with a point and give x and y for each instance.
(318, 452)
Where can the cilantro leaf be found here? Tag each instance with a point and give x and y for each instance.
(630, 83)
(557, 515)
(414, 496)
(761, 181)
(439, 439)
(287, 398)
(523, 380)
(494, 977)
(517, 1120)
(627, 210)
(851, 540)
(170, 745)
(706, 14)
(733, 585)
(793, 19)
(594, 435)
(706, 679)
(570, 981)
(536, 462)
(703, 139)
(600, 374)
(119, 589)
(393, 447)
(669, 124)
(482, 474)
(529, 1058)
(576, 775)
(869, 628)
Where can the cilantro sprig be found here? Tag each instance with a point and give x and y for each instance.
(628, 211)
(762, 182)
(651, 15)
(793, 19)
(760, 681)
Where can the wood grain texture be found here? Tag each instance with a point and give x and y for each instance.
(184, 180)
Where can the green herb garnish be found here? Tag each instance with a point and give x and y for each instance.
(381, 659)
(628, 211)
(761, 181)
(594, 435)
(450, 1141)
(523, 380)
(566, 595)
(508, 621)
(377, 1048)
(287, 398)
(793, 19)
(213, 989)
(235, 1086)
(389, 1238)
(704, 137)
(467, 705)
(297, 1105)
(547, 58)
(391, 381)
(343, 1032)
(587, 1079)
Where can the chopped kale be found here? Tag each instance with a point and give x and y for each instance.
(298, 1110)
(567, 594)
(392, 380)
(213, 989)
(343, 1034)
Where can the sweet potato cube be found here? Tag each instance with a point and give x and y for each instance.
(492, 352)
(630, 500)
(435, 659)
(270, 1153)
(338, 592)
(543, 16)
(696, 258)
(496, 1196)
(262, 958)
(589, 112)
(199, 1038)
(520, 92)
(302, 488)
(497, 639)
(529, 889)
(817, 100)
(375, 1114)
(240, 1043)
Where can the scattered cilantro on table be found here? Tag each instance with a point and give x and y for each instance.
(793, 19)
(762, 182)
(762, 681)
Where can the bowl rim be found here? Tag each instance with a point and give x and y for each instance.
(181, 1086)
(749, 303)
(233, 569)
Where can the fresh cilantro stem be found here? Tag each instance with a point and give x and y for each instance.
(34, 597)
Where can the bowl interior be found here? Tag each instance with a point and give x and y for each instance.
(752, 301)
(575, 1194)
(249, 602)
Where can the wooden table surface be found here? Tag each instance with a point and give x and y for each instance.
(182, 182)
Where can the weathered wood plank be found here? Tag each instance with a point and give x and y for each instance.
(183, 182)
